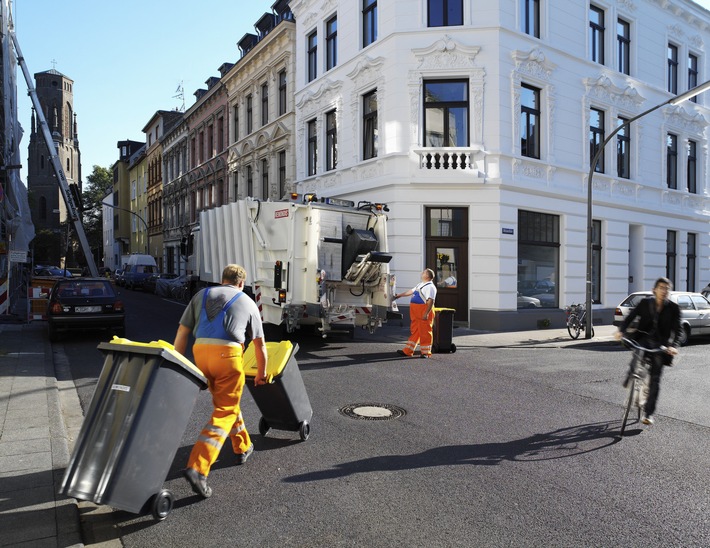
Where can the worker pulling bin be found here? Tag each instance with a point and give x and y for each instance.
(138, 414)
(283, 401)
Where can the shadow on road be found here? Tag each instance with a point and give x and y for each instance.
(563, 443)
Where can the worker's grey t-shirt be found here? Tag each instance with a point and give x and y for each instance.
(242, 314)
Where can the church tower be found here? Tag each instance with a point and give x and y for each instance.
(56, 96)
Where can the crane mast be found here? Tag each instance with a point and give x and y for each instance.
(72, 209)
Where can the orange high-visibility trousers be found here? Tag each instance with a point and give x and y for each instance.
(224, 369)
(422, 331)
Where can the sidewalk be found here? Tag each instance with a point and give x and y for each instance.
(40, 417)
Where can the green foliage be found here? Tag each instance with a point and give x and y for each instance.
(98, 184)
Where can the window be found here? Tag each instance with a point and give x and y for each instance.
(623, 150)
(446, 113)
(210, 142)
(264, 104)
(331, 43)
(282, 92)
(596, 261)
(264, 179)
(236, 123)
(369, 22)
(201, 147)
(670, 255)
(693, 74)
(623, 40)
(250, 182)
(538, 256)
(312, 56)
(672, 161)
(690, 262)
(596, 138)
(530, 17)
(596, 34)
(673, 69)
(692, 167)
(369, 125)
(331, 141)
(282, 173)
(444, 13)
(220, 134)
(529, 121)
(250, 125)
(312, 148)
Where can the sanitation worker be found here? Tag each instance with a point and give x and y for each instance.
(421, 314)
(218, 317)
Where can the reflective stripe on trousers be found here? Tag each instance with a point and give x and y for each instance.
(224, 369)
(422, 330)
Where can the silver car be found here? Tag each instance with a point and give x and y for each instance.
(694, 311)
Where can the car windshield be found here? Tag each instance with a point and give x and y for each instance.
(88, 288)
(633, 300)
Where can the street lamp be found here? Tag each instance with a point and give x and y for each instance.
(672, 101)
(147, 232)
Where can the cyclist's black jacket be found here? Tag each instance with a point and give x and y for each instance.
(662, 328)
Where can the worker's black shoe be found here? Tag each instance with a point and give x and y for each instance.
(401, 353)
(242, 457)
(198, 482)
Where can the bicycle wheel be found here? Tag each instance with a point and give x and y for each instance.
(629, 404)
(573, 326)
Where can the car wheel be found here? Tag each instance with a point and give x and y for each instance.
(684, 335)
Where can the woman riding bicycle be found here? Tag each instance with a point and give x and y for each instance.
(659, 324)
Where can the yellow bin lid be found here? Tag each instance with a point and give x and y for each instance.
(444, 309)
(162, 345)
(278, 355)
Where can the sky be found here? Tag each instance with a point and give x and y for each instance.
(127, 59)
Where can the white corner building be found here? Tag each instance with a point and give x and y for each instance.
(476, 122)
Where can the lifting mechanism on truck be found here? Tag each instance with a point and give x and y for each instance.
(69, 200)
(310, 262)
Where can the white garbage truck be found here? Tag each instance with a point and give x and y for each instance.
(309, 261)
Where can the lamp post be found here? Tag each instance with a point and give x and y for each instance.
(672, 101)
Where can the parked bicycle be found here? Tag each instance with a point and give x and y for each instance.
(576, 320)
(638, 379)
(179, 292)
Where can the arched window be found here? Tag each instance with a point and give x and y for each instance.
(42, 207)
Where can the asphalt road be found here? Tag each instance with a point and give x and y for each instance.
(498, 447)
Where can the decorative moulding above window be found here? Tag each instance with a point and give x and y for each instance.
(446, 54)
(677, 117)
(603, 88)
(367, 69)
(326, 93)
(533, 63)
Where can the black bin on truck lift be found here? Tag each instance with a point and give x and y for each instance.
(283, 402)
(137, 417)
(443, 330)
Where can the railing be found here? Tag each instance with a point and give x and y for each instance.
(448, 158)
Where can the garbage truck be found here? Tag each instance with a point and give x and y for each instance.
(320, 262)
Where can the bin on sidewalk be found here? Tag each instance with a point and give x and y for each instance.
(443, 330)
(283, 402)
(138, 414)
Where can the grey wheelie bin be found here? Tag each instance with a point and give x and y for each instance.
(443, 330)
(138, 414)
(283, 402)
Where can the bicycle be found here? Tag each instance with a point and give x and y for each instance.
(638, 380)
(576, 320)
(179, 292)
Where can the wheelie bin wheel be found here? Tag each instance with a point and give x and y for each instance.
(453, 348)
(162, 504)
(304, 430)
(263, 426)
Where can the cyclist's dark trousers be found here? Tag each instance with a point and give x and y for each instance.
(655, 384)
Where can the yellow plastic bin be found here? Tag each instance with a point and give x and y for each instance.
(443, 330)
(283, 402)
(138, 414)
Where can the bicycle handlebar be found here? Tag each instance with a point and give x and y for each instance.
(634, 344)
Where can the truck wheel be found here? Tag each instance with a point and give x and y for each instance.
(304, 430)
(162, 504)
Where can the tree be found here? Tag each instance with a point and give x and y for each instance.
(98, 184)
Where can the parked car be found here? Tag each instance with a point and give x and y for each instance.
(528, 302)
(41, 270)
(150, 283)
(694, 311)
(84, 303)
(118, 278)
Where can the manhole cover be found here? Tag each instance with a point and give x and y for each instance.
(372, 411)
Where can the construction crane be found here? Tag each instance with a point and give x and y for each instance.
(72, 209)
